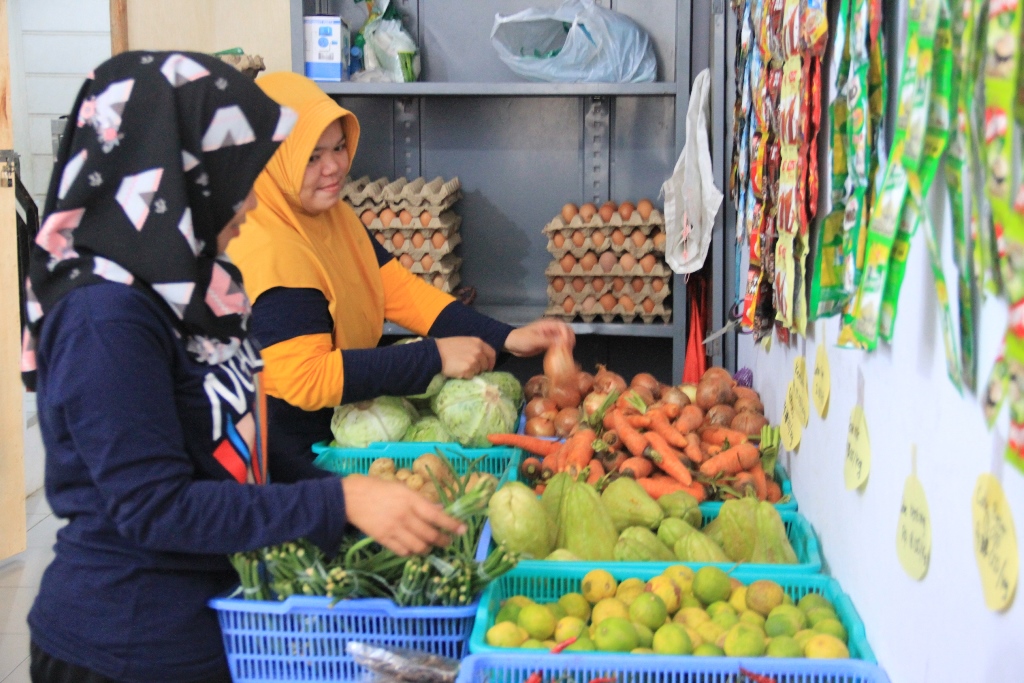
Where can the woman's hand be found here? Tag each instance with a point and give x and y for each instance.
(397, 517)
(465, 357)
(536, 337)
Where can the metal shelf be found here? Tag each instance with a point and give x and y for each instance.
(458, 89)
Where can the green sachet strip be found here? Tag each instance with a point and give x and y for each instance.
(985, 253)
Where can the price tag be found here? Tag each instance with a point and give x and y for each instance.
(858, 451)
(802, 399)
(995, 543)
(914, 530)
(822, 381)
(792, 427)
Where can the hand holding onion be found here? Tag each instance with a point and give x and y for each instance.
(538, 337)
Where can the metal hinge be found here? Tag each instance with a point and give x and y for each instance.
(9, 163)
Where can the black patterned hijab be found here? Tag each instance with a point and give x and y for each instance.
(161, 149)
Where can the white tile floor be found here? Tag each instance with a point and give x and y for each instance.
(19, 582)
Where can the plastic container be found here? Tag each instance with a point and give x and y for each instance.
(502, 462)
(504, 668)
(798, 530)
(555, 579)
(305, 638)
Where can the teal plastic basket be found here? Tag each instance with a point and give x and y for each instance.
(798, 530)
(305, 638)
(502, 462)
(785, 484)
(581, 668)
(553, 581)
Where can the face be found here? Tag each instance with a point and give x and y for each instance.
(233, 228)
(328, 165)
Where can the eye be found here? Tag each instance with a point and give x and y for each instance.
(314, 158)
(340, 147)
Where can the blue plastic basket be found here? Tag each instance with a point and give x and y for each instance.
(552, 581)
(502, 462)
(798, 530)
(305, 639)
(581, 668)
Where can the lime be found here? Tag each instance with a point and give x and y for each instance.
(538, 621)
(629, 589)
(648, 609)
(744, 640)
(598, 585)
(825, 646)
(681, 576)
(763, 596)
(672, 639)
(738, 599)
(691, 616)
(812, 600)
(667, 590)
(711, 584)
(615, 634)
(784, 646)
(505, 634)
(751, 617)
(644, 635)
(785, 620)
(609, 607)
(708, 650)
(817, 614)
(575, 605)
(533, 644)
(569, 627)
(832, 627)
(508, 612)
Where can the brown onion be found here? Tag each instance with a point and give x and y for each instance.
(564, 396)
(628, 399)
(536, 386)
(593, 402)
(540, 426)
(749, 423)
(718, 373)
(711, 392)
(540, 407)
(720, 414)
(566, 421)
(606, 381)
(674, 395)
(746, 392)
(558, 364)
(584, 382)
(749, 404)
(647, 381)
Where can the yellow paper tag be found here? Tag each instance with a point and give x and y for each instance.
(995, 543)
(800, 385)
(792, 427)
(858, 451)
(914, 530)
(822, 381)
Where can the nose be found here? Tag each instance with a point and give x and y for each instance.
(330, 165)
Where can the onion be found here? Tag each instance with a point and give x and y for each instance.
(606, 381)
(536, 386)
(566, 420)
(711, 392)
(690, 390)
(646, 381)
(674, 395)
(748, 423)
(628, 399)
(593, 402)
(540, 407)
(717, 372)
(749, 404)
(564, 395)
(559, 366)
(746, 392)
(584, 382)
(540, 426)
(720, 414)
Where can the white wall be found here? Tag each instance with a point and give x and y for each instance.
(938, 629)
(53, 44)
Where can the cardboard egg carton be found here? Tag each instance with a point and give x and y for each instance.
(617, 313)
(445, 265)
(419, 194)
(647, 246)
(387, 240)
(444, 220)
(659, 270)
(635, 221)
(446, 282)
(599, 286)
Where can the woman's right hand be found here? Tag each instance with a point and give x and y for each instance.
(465, 357)
(397, 517)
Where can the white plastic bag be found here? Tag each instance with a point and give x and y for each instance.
(691, 198)
(391, 51)
(577, 42)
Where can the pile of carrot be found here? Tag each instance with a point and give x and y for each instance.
(664, 447)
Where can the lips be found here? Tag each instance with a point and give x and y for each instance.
(333, 188)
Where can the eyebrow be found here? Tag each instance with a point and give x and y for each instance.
(320, 148)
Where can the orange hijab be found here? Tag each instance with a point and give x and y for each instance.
(281, 245)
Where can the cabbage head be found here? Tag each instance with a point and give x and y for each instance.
(473, 408)
(507, 383)
(386, 418)
(427, 428)
(422, 401)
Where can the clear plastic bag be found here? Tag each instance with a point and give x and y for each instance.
(399, 665)
(577, 42)
(390, 54)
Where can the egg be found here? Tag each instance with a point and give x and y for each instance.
(558, 239)
(578, 283)
(578, 237)
(425, 218)
(387, 217)
(438, 240)
(626, 303)
(380, 238)
(439, 281)
(657, 284)
(417, 239)
(589, 303)
(606, 213)
(598, 239)
(626, 210)
(567, 262)
(618, 237)
(597, 283)
(644, 208)
(618, 284)
(405, 217)
(659, 240)
(558, 283)
(648, 262)
(568, 305)
(638, 284)
(610, 204)
(647, 304)
(588, 261)
(398, 239)
(368, 217)
(587, 212)
(638, 237)
(406, 261)
(569, 212)
(607, 261)
(627, 261)
(427, 262)
(607, 302)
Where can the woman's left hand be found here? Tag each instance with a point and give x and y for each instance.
(536, 337)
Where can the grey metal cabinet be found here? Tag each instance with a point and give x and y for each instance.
(523, 149)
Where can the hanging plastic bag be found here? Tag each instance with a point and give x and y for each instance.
(389, 54)
(691, 198)
(577, 42)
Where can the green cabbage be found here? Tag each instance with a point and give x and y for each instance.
(427, 428)
(386, 418)
(473, 408)
(507, 383)
(422, 401)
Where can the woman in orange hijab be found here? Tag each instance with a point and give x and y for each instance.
(323, 288)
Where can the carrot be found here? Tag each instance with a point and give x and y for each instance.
(774, 492)
(636, 467)
(635, 443)
(660, 424)
(596, 472)
(693, 450)
(656, 487)
(629, 402)
(638, 421)
(719, 436)
(539, 489)
(530, 469)
(579, 450)
(611, 440)
(608, 421)
(690, 417)
(760, 480)
(668, 459)
(743, 483)
(671, 410)
(732, 460)
(614, 461)
(530, 444)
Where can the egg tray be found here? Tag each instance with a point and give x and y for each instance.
(402, 193)
(557, 223)
(628, 247)
(444, 265)
(647, 291)
(449, 281)
(448, 247)
(446, 220)
(617, 314)
(660, 270)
